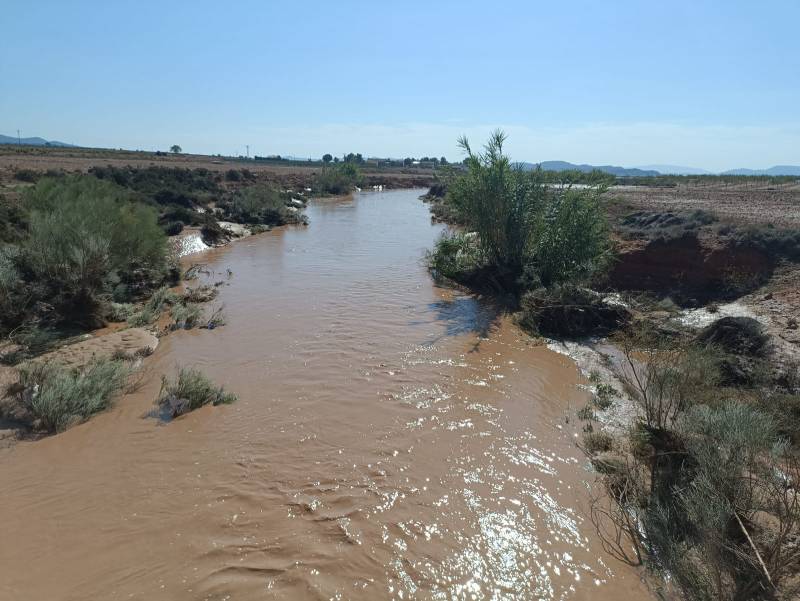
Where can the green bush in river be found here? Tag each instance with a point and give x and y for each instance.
(529, 232)
(190, 390)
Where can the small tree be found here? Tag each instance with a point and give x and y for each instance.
(327, 158)
(175, 149)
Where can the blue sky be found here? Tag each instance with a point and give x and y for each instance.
(701, 83)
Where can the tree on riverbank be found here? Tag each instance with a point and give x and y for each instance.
(526, 232)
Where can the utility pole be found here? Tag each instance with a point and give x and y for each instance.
(19, 140)
(248, 150)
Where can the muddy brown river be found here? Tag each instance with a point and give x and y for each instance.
(392, 440)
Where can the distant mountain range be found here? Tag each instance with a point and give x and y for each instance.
(33, 142)
(650, 170)
(674, 170)
(776, 170)
(612, 169)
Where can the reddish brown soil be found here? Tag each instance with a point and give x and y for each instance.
(692, 269)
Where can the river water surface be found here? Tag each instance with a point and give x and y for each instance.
(392, 440)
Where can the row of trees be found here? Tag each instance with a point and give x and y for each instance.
(358, 159)
(350, 157)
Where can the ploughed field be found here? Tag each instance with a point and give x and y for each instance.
(753, 202)
(295, 174)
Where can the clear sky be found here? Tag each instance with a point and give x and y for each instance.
(713, 84)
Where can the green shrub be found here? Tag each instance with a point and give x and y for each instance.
(14, 294)
(186, 315)
(13, 220)
(597, 442)
(173, 228)
(456, 256)
(586, 413)
(664, 226)
(705, 496)
(775, 242)
(84, 237)
(212, 232)
(166, 186)
(260, 204)
(529, 232)
(337, 179)
(120, 311)
(153, 308)
(604, 396)
(55, 397)
(26, 175)
(182, 215)
(190, 390)
(32, 339)
(570, 242)
(499, 202)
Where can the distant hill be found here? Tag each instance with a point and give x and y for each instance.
(33, 142)
(776, 170)
(675, 170)
(612, 169)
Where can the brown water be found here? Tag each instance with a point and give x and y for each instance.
(392, 440)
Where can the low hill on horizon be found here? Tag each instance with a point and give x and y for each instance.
(776, 170)
(612, 169)
(675, 170)
(33, 142)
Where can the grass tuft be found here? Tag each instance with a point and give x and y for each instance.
(190, 390)
(54, 397)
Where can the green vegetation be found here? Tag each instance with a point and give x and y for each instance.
(651, 225)
(260, 204)
(701, 489)
(164, 186)
(539, 242)
(190, 390)
(84, 241)
(529, 234)
(13, 221)
(175, 149)
(186, 315)
(338, 179)
(51, 398)
(26, 175)
(153, 308)
(198, 197)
